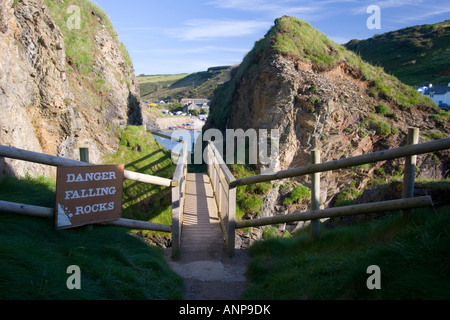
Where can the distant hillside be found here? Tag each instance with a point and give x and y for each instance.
(416, 55)
(175, 87)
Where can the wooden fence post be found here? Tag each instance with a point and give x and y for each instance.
(84, 155)
(409, 176)
(315, 195)
(231, 221)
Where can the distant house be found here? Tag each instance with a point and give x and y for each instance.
(205, 108)
(191, 107)
(439, 94)
(198, 102)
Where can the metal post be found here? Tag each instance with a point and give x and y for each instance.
(409, 176)
(315, 195)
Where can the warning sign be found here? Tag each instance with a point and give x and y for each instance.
(88, 195)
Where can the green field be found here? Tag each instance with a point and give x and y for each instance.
(161, 78)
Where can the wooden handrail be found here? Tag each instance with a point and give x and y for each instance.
(225, 177)
(30, 156)
(383, 155)
(178, 194)
(374, 207)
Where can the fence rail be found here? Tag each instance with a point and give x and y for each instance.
(409, 152)
(384, 155)
(35, 157)
(178, 196)
(30, 156)
(43, 212)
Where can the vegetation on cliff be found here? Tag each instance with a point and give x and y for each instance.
(298, 39)
(99, 70)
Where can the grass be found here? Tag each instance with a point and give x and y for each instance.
(80, 43)
(114, 264)
(249, 197)
(178, 86)
(140, 152)
(413, 256)
(417, 55)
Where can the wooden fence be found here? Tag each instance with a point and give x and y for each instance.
(178, 197)
(221, 178)
(224, 184)
(29, 156)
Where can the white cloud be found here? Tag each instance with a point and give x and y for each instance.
(273, 8)
(386, 4)
(204, 29)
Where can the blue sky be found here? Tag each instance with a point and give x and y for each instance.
(175, 36)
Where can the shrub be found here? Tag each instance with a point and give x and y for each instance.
(270, 233)
(382, 109)
(381, 127)
(298, 194)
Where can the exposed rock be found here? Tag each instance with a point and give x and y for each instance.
(48, 106)
(317, 106)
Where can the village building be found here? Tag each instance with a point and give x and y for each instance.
(439, 94)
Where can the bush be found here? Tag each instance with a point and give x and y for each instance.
(251, 203)
(382, 109)
(298, 194)
(381, 127)
(270, 233)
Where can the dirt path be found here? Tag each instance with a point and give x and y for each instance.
(211, 275)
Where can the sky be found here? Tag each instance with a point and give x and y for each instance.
(186, 36)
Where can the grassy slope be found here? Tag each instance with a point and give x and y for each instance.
(417, 55)
(140, 152)
(413, 257)
(176, 87)
(114, 264)
(34, 256)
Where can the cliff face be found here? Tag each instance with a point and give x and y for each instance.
(49, 104)
(322, 97)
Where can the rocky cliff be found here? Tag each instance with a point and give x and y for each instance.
(62, 86)
(320, 96)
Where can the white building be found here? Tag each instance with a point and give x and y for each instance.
(439, 94)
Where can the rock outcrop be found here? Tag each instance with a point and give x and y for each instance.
(47, 103)
(320, 96)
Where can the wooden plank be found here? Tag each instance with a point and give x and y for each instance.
(201, 228)
(42, 212)
(383, 155)
(385, 206)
